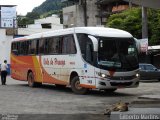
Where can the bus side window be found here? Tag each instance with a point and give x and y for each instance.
(53, 45)
(24, 47)
(37, 47)
(46, 45)
(41, 46)
(18, 47)
(68, 45)
(86, 47)
(14, 48)
(89, 50)
(32, 46)
(50, 45)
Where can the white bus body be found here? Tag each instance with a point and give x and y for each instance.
(86, 68)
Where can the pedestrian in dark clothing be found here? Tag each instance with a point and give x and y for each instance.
(4, 67)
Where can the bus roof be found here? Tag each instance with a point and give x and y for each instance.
(96, 31)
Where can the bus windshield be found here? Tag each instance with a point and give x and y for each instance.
(117, 53)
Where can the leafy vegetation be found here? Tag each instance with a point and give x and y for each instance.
(46, 9)
(131, 21)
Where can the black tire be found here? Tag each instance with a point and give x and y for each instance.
(110, 90)
(38, 84)
(60, 86)
(30, 79)
(75, 86)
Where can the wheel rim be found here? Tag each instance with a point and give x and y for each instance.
(77, 85)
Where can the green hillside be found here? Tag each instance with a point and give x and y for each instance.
(46, 9)
(47, 6)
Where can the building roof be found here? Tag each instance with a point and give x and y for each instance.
(7, 5)
(146, 3)
(106, 1)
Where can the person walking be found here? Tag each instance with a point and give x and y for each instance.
(4, 67)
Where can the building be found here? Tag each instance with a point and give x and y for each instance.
(90, 12)
(9, 28)
(41, 25)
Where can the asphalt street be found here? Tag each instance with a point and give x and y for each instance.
(17, 98)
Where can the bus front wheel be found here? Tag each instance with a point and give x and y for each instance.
(75, 86)
(30, 79)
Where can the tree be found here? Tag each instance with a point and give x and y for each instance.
(129, 20)
(28, 19)
(31, 16)
(154, 26)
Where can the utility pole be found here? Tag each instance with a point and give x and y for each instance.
(144, 23)
(85, 12)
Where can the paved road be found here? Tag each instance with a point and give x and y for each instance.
(17, 98)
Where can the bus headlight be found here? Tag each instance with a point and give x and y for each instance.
(102, 75)
(137, 75)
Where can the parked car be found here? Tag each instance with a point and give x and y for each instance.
(148, 71)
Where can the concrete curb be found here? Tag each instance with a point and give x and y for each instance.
(152, 97)
(145, 102)
(147, 99)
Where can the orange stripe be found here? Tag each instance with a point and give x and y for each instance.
(87, 86)
(13, 58)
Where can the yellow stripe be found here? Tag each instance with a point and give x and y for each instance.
(38, 71)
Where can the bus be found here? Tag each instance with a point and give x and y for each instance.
(82, 58)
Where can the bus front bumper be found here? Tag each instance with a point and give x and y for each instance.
(108, 84)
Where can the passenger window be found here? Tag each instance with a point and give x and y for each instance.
(41, 46)
(32, 47)
(68, 45)
(24, 48)
(15, 48)
(86, 47)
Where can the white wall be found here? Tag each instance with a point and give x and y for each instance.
(51, 19)
(54, 20)
(5, 46)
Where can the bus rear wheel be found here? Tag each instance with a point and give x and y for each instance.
(75, 86)
(30, 79)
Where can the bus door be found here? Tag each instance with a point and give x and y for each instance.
(87, 46)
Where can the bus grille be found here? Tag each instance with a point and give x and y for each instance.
(122, 77)
(121, 84)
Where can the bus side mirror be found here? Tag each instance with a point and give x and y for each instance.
(95, 42)
(15, 52)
